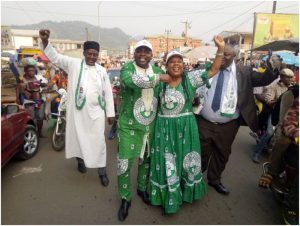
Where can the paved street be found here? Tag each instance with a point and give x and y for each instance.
(54, 192)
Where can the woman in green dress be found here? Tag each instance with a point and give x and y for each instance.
(175, 169)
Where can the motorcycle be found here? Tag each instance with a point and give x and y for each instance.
(58, 113)
(117, 104)
(284, 185)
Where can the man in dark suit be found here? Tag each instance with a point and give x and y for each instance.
(228, 104)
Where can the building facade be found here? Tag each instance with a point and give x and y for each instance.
(15, 38)
(27, 38)
(63, 45)
(164, 43)
(6, 38)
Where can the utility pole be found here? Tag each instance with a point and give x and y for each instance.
(274, 7)
(87, 33)
(168, 32)
(99, 21)
(187, 25)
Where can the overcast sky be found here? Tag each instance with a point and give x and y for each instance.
(147, 17)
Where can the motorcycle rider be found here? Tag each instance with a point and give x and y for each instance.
(30, 87)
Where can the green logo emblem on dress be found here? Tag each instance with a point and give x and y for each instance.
(192, 164)
(141, 115)
(171, 169)
(172, 102)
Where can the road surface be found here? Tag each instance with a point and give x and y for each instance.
(48, 189)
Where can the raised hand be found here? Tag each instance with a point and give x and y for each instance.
(219, 41)
(44, 36)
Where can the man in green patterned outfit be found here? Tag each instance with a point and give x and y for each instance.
(136, 122)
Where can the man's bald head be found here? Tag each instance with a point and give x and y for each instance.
(230, 49)
(230, 53)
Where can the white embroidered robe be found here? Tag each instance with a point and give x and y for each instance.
(85, 128)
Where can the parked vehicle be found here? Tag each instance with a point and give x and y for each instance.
(117, 105)
(18, 133)
(58, 113)
(114, 77)
(113, 73)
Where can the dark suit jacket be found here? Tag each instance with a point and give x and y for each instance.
(246, 80)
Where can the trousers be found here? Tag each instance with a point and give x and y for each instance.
(124, 176)
(216, 141)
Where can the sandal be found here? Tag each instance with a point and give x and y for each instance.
(265, 180)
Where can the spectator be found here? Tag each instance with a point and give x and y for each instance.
(30, 86)
(273, 91)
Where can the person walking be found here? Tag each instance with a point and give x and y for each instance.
(138, 80)
(228, 104)
(175, 169)
(89, 99)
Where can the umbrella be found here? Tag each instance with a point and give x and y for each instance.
(201, 52)
(6, 54)
(286, 44)
(288, 58)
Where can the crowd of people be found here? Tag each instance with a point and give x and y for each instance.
(158, 125)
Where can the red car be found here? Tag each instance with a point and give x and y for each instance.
(18, 133)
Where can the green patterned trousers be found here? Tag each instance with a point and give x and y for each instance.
(124, 181)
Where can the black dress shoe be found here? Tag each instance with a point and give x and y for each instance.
(81, 167)
(104, 180)
(123, 211)
(220, 188)
(144, 195)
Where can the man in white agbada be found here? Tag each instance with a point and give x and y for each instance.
(89, 98)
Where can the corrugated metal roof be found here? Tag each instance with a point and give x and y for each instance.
(21, 32)
(66, 41)
(226, 34)
(170, 37)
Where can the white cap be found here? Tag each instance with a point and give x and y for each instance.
(143, 43)
(40, 64)
(173, 53)
(287, 72)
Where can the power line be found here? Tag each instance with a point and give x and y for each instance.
(290, 6)
(230, 20)
(27, 14)
(247, 20)
(125, 16)
(212, 9)
(41, 8)
(94, 16)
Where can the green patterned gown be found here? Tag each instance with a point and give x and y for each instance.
(175, 168)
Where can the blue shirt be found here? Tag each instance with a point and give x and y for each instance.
(207, 111)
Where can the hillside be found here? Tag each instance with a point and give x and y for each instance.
(110, 38)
